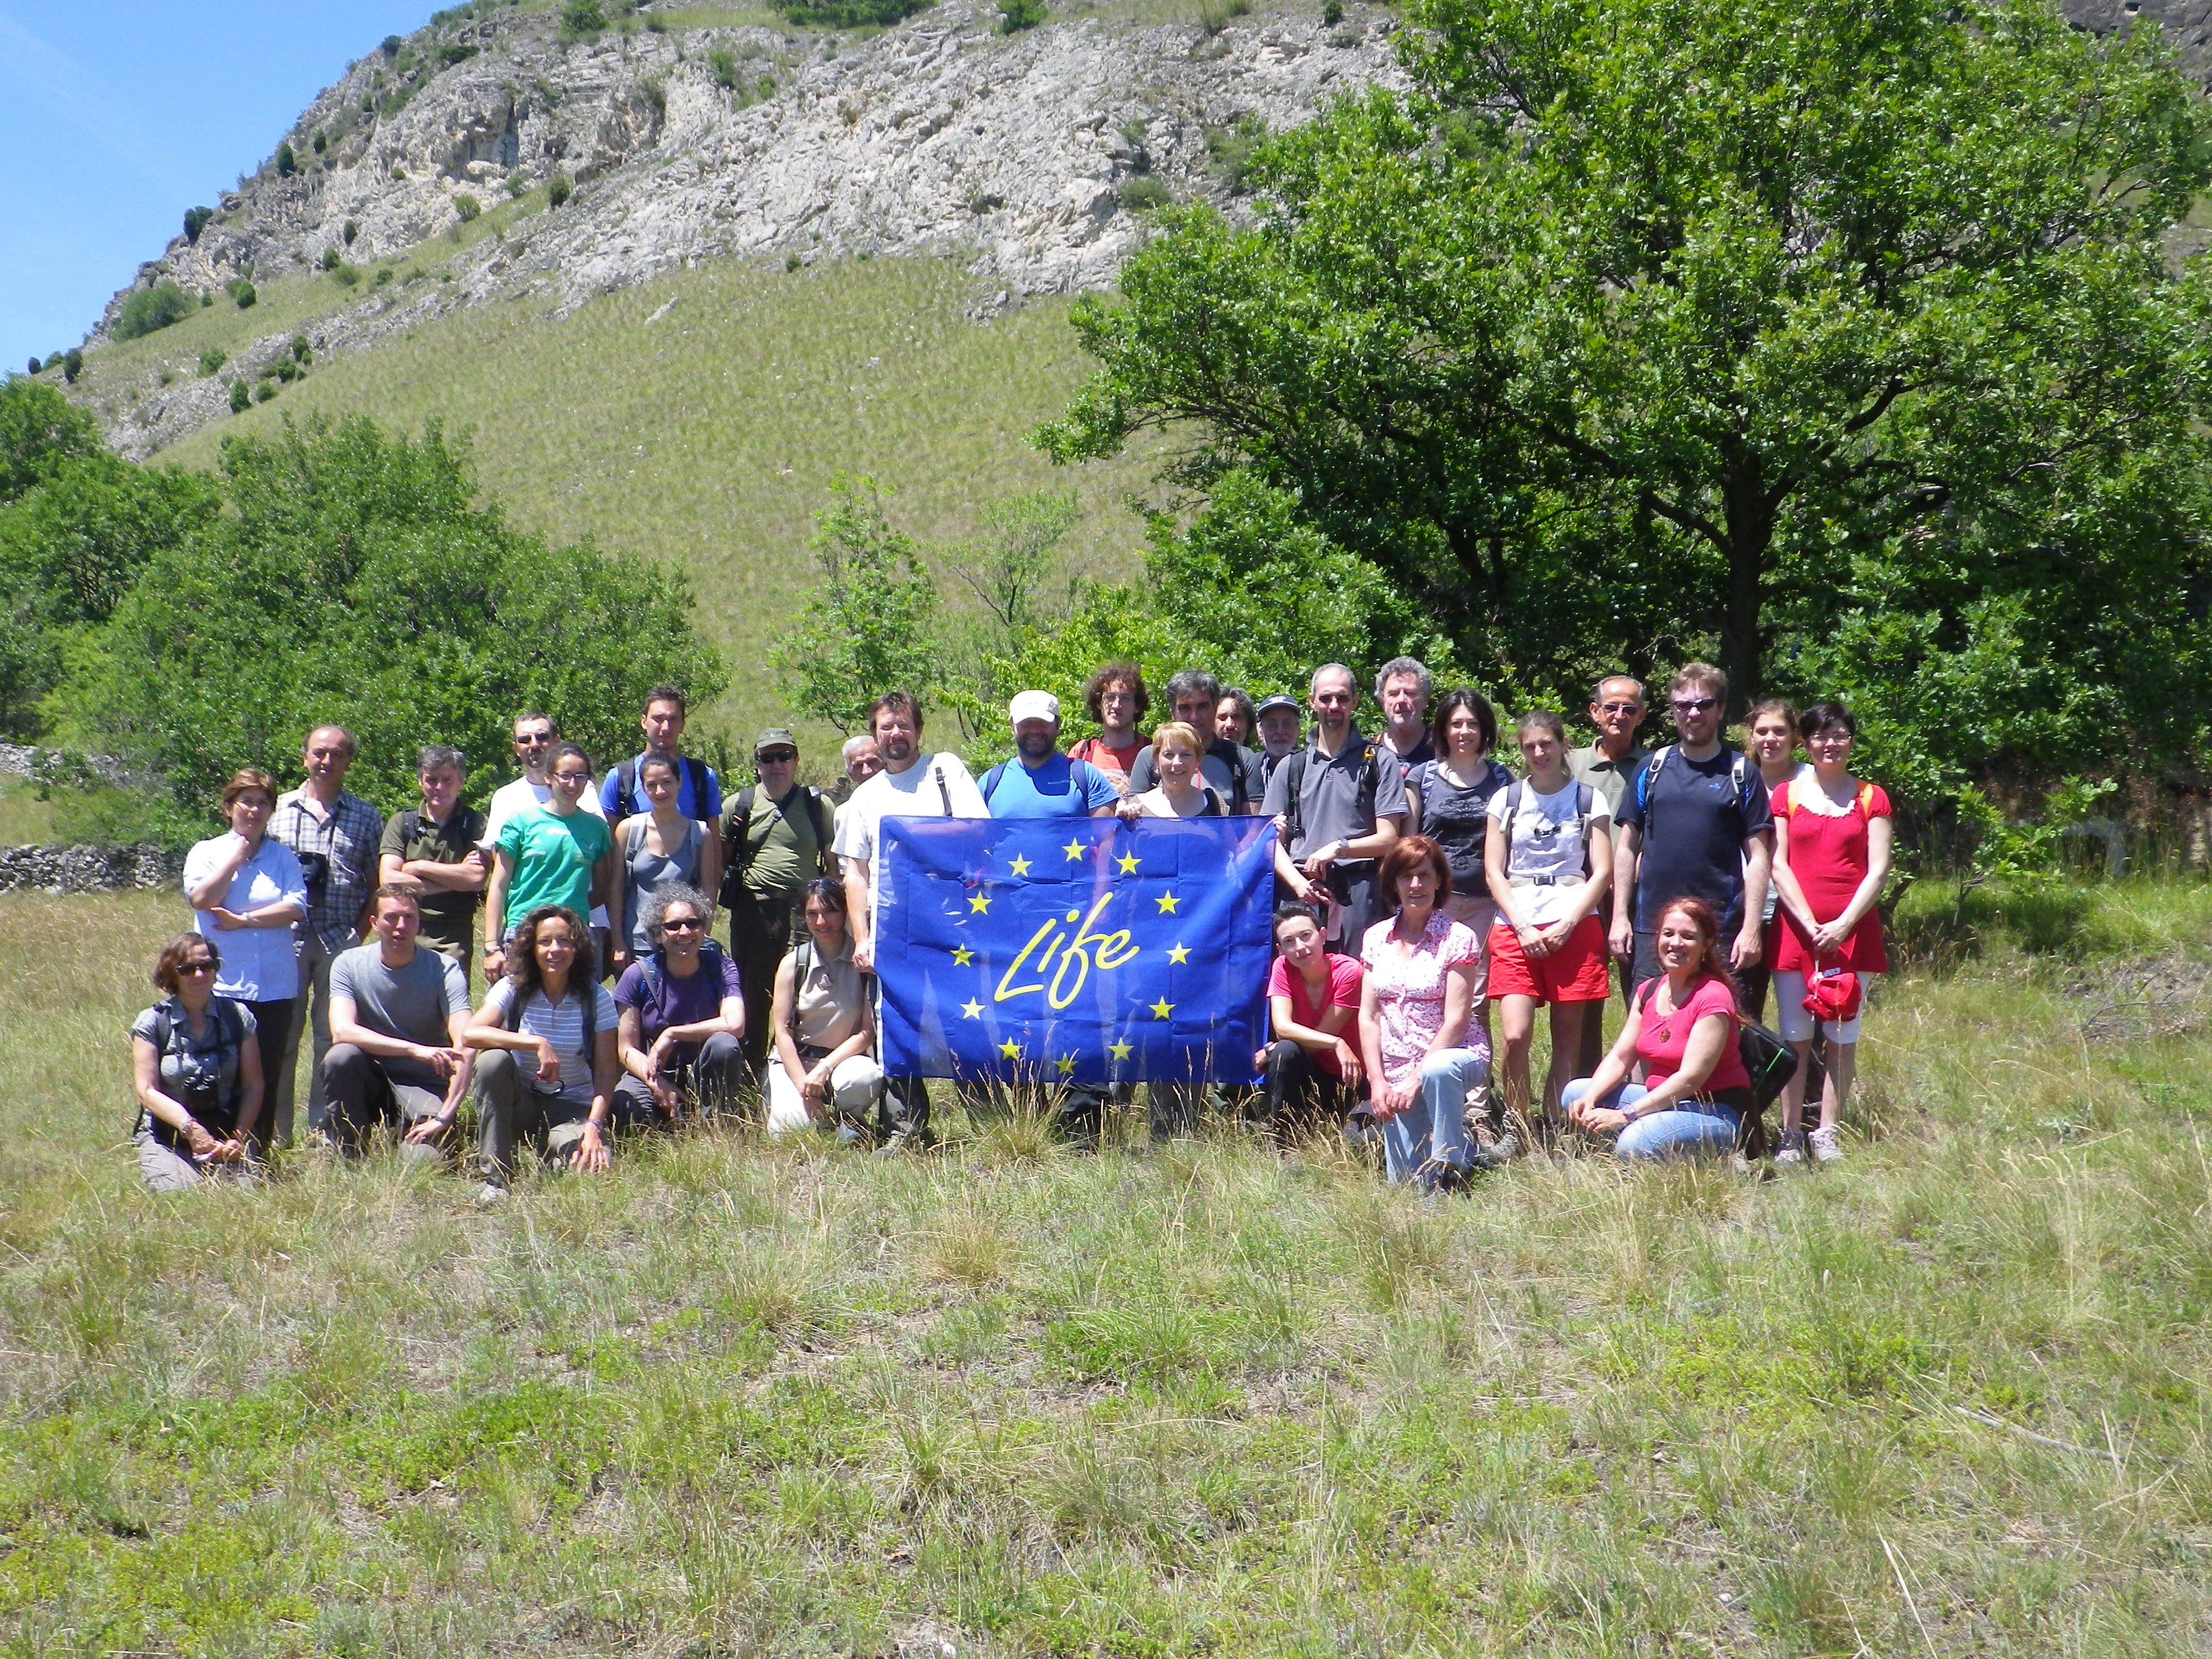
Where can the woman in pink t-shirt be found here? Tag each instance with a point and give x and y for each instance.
(1422, 1050)
(1683, 1026)
(1313, 1071)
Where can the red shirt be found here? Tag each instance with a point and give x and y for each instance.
(1114, 762)
(1341, 991)
(1661, 1038)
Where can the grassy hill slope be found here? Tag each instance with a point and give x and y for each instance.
(710, 436)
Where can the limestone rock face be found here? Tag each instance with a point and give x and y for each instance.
(1013, 154)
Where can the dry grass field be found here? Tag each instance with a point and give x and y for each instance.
(1947, 1399)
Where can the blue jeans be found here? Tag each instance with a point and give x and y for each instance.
(1430, 1135)
(1696, 1128)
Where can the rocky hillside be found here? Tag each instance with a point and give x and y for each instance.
(1028, 157)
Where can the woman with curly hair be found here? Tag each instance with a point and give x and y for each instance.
(197, 1072)
(546, 1034)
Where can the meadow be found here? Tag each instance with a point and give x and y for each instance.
(710, 436)
(1948, 1398)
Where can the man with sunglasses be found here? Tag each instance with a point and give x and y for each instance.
(1608, 766)
(1694, 823)
(535, 735)
(778, 837)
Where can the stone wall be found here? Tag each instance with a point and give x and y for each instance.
(88, 869)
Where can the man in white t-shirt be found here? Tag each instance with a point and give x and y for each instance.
(913, 784)
(535, 734)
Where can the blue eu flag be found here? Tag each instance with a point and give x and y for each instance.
(1074, 950)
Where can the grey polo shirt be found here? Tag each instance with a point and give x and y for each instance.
(1610, 778)
(1339, 799)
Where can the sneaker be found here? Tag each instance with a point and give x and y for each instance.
(1792, 1149)
(490, 1194)
(1826, 1147)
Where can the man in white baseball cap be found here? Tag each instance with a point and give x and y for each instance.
(1040, 782)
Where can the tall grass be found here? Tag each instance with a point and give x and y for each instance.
(1949, 1398)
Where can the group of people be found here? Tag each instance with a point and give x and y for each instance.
(1419, 880)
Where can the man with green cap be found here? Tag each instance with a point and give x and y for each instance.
(776, 838)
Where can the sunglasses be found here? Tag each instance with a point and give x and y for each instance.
(202, 966)
(1692, 705)
(778, 758)
(533, 743)
(1623, 707)
(680, 925)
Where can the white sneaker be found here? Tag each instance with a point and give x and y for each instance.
(1825, 1150)
(490, 1194)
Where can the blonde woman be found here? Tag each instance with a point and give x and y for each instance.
(1183, 790)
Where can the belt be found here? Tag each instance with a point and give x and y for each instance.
(1536, 881)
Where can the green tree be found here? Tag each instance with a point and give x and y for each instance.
(868, 628)
(40, 432)
(354, 577)
(1666, 325)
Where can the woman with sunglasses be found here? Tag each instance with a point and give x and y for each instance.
(196, 1069)
(683, 1016)
(1831, 849)
(246, 889)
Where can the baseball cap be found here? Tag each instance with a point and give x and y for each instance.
(774, 737)
(1033, 706)
(1278, 700)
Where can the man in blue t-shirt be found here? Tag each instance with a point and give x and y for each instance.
(1040, 782)
(698, 791)
(1694, 822)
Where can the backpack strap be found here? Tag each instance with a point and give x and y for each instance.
(1866, 798)
(802, 963)
(1294, 777)
(736, 853)
(696, 770)
(944, 790)
(1648, 776)
(991, 781)
(825, 816)
(625, 786)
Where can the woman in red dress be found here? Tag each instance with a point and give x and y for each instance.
(1832, 842)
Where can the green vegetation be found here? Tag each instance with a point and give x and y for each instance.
(850, 13)
(870, 626)
(242, 397)
(287, 163)
(1232, 149)
(196, 220)
(211, 359)
(1947, 1399)
(582, 20)
(1015, 16)
(725, 66)
(1142, 194)
(244, 293)
(1648, 328)
(151, 308)
(558, 189)
(467, 206)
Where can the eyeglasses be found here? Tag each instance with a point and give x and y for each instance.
(779, 757)
(572, 777)
(1623, 707)
(202, 966)
(537, 740)
(681, 924)
(1692, 705)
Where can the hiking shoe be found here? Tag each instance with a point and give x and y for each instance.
(490, 1195)
(1792, 1149)
(1826, 1147)
(902, 1141)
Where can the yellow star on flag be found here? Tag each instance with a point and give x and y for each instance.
(1180, 954)
(1167, 901)
(981, 903)
(972, 1009)
(1074, 851)
(1128, 863)
(1162, 1008)
(1067, 1064)
(962, 956)
(1118, 1050)
(1020, 866)
(1011, 1049)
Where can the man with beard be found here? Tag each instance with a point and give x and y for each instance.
(913, 784)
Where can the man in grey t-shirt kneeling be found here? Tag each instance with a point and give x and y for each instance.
(397, 1011)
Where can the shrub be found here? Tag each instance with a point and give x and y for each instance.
(398, 174)
(265, 392)
(322, 143)
(580, 19)
(1015, 16)
(455, 54)
(1232, 148)
(1143, 193)
(35, 363)
(383, 275)
(352, 230)
(766, 86)
(654, 91)
(242, 397)
(211, 359)
(207, 298)
(242, 291)
(1333, 13)
(195, 221)
(55, 361)
(792, 262)
(154, 308)
(850, 13)
(346, 275)
(558, 189)
(287, 163)
(392, 45)
(467, 206)
(72, 364)
(329, 258)
(725, 66)
(301, 352)
(516, 184)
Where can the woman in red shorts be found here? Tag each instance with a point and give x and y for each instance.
(1548, 859)
(1831, 839)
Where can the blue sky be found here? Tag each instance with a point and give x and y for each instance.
(115, 117)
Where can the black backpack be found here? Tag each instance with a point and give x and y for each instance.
(1293, 770)
(626, 784)
(737, 853)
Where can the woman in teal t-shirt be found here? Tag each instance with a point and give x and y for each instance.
(559, 854)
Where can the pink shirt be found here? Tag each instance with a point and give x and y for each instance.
(1409, 992)
(1661, 1038)
(1341, 991)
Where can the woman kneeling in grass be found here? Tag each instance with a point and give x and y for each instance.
(1696, 1094)
(197, 1072)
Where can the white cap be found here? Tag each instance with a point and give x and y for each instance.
(1034, 706)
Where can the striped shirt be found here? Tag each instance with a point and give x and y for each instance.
(561, 1025)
